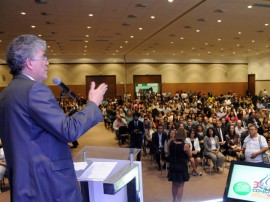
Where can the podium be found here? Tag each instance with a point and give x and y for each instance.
(109, 174)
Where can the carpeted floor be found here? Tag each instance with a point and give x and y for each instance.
(156, 188)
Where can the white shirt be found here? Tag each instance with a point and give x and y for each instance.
(252, 145)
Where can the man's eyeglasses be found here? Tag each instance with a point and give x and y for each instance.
(43, 58)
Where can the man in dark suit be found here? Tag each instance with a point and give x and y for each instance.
(35, 131)
(136, 131)
(221, 132)
(158, 141)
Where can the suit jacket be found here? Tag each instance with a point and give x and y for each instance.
(207, 144)
(35, 133)
(136, 133)
(224, 132)
(155, 139)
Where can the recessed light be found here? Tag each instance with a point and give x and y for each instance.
(182, 38)
(88, 27)
(253, 41)
(197, 30)
(0, 41)
(91, 15)
(126, 41)
(48, 46)
(85, 46)
(206, 44)
(40, 35)
(140, 28)
(33, 26)
(172, 42)
(239, 32)
(23, 13)
(121, 47)
(170, 1)
(131, 36)
(266, 24)
(249, 6)
(152, 17)
(219, 20)
(219, 39)
(86, 41)
(86, 35)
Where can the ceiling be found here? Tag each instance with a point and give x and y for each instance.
(183, 31)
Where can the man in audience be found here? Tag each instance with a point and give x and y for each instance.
(254, 145)
(221, 134)
(158, 141)
(136, 131)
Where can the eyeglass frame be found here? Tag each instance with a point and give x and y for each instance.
(43, 58)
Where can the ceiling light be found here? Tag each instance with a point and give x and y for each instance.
(219, 20)
(152, 17)
(209, 52)
(86, 35)
(0, 41)
(182, 38)
(172, 42)
(121, 46)
(266, 24)
(48, 46)
(140, 28)
(239, 32)
(23, 13)
(170, 1)
(88, 27)
(197, 30)
(126, 41)
(238, 45)
(86, 41)
(219, 39)
(91, 15)
(40, 35)
(132, 37)
(33, 26)
(85, 46)
(249, 6)
(253, 41)
(206, 44)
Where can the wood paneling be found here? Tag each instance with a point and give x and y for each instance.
(110, 80)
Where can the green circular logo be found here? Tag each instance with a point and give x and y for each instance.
(241, 188)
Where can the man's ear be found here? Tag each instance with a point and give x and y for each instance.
(28, 63)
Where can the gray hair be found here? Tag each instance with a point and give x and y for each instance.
(21, 48)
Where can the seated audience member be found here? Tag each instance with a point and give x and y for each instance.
(200, 135)
(195, 148)
(233, 143)
(151, 129)
(158, 141)
(170, 137)
(239, 128)
(118, 122)
(221, 134)
(2, 164)
(211, 149)
(254, 146)
(265, 128)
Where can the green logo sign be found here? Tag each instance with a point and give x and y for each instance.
(241, 188)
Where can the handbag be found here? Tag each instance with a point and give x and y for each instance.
(266, 155)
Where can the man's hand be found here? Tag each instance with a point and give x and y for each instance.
(96, 95)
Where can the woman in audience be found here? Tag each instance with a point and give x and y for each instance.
(179, 154)
(233, 142)
(212, 147)
(148, 134)
(195, 148)
(200, 136)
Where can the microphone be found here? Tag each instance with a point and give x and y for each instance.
(57, 81)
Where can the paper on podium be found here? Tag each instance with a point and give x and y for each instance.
(80, 165)
(98, 171)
